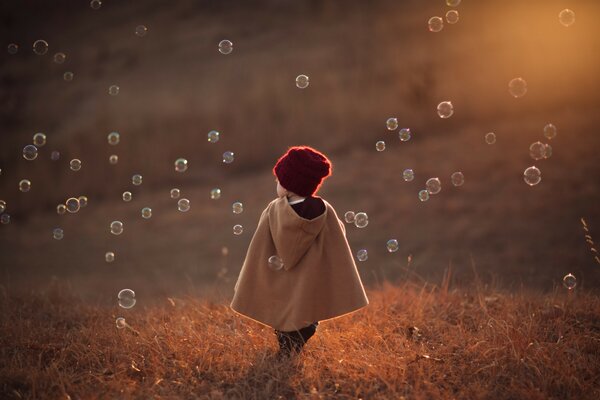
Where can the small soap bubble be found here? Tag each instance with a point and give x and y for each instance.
(5, 219)
(58, 234)
(24, 185)
(60, 58)
(39, 139)
(452, 17)
(127, 196)
(435, 24)
(114, 138)
(55, 155)
(569, 281)
(225, 46)
(40, 47)
(72, 205)
(408, 175)
(457, 178)
(113, 159)
(392, 124)
(181, 165)
(380, 145)
(109, 256)
(517, 87)
(302, 81)
(75, 164)
(361, 219)
(275, 263)
(566, 17)
(95, 4)
(490, 138)
(175, 193)
(30, 152)
(141, 30)
(228, 157)
(126, 298)
(113, 90)
(532, 176)
(121, 323)
(423, 195)
(83, 201)
(537, 150)
(213, 136)
(116, 227)
(13, 48)
(136, 179)
(404, 135)
(433, 185)
(146, 212)
(68, 76)
(550, 131)
(237, 207)
(183, 205)
(445, 109)
(362, 255)
(349, 217)
(238, 229)
(215, 194)
(2, 206)
(547, 151)
(453, 3)
(392, 245)
(61, 209)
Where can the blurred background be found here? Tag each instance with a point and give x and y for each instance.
(367, 62)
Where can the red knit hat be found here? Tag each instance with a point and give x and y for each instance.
(302, 169)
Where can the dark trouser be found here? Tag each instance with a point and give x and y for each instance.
(295, 340)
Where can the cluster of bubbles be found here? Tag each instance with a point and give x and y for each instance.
(275, 263)
(392, 124)
(302, 81)
(538, 151)
(436, 24)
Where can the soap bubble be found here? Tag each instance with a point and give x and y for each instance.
(453, 3)
(146, 212)
(114, 138)
(24, 185)
(569, 281)
(183, 205)
(392, 123)
(175, 193)
(452, 17)
(58, 234)
(68, 76)
(566, 17)
(517, 87)
(445, 109)
(408, 175)
(136, 179)
(275, 263)
(238, 229)
(127, 196)
(181, 165)
(55, 155)
(550, 131)
(228, 157)
(13, 48)
(5, 219)
(361, 220)
(113, 159)
(362, 255)
(83, 201)
(2, 206)
(40, 47)
(141, 30)
(39, 139)
(490, 138)
(392, 245)
(380, 145)
(126, 298)
(435, 24)
(75, 164)
(537, 150)
(116, 227)
(547, 151)
(30, 152)
(213, 136)
(433, 185)
(60, 58)
(457, 178)
(72, 205)
(61, 209)
(237, 207)
(109, 256)
(404, 134)
(113, 90)
(532, 176)
(423, 195)
(95, 4)
(225, 46)
(302, 81)
(121, 323)
(349, 217)
(215, 194)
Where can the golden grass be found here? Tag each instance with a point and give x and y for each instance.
(413, 342)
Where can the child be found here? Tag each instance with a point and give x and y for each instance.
(313, 276)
